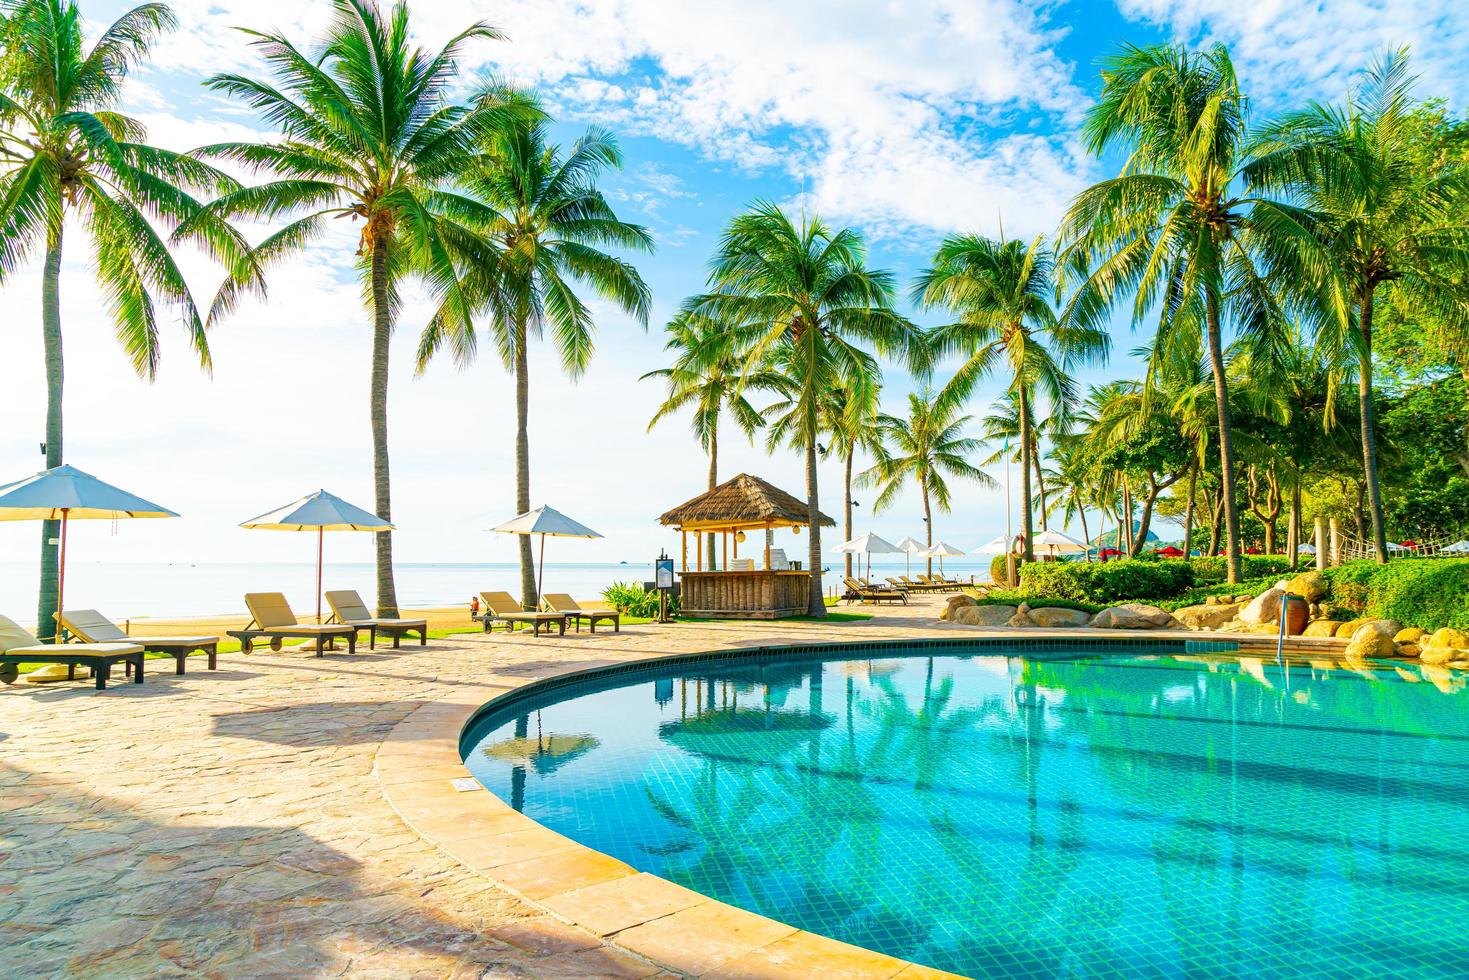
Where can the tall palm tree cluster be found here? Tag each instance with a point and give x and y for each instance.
(468, 198)
(1253, 255)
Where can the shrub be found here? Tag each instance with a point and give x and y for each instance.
(631, 599)
(1105, 582)
(1014, 597)
(998, 568)
(1425, 592)
(1212, 568)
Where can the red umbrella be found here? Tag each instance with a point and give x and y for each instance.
(1170, 552)
(1410, 544)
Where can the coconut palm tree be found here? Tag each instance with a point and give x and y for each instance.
(67, 153)
(1001, 291)
(927, 446)
(366, 134)
(546, 224)
(711, 376)
(1385, 220)
(1171, 229)
(807, 287)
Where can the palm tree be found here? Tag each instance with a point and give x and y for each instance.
(926, 446)
(710, 375)
(806, 287)
(1170, 229)
(1385, 220)
(546, 224)
(366, 133)
(65, 151)
(1001, 292)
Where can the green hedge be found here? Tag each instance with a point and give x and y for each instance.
(1014, 597)
(1104, 582)
(1424, 592)
(1212, 569)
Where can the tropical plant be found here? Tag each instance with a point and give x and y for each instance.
(545, 224)
(711, 376)
(1001, 292)
(927, 447)
(1170, 230)
(366, 134)
(777, 282)
(1384, 221)
(66, 152)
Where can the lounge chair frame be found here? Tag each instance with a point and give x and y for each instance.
(511, 617)
(179, 649)
(322, 634)
(99, 659)
(395, 629)
(577, 613)
(855, 592)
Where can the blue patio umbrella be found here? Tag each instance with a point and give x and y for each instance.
(65, 493)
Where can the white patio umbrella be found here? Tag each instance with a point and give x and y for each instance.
(65, 493)
(942, 551)
(909, 547)
(545, 521)
(869, 544)
(998, 546)
(1059, 544)
(1306, 549)
(1394, 546)
(319, 512)
(1457, 548)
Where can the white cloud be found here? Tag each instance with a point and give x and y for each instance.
(1287, 50)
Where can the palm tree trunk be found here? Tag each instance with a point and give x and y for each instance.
(1216, 523)
(1027, 522)
(1124, 533)
(816, 601)
(927, 522)
(1226, 441)
(1040, 483)
(51, 338)
(1369, 425)
(851, 455)
(1293, 525)
(713, 477)
(382, 333)
(1085, 535)
(529, 598)
(1188, 510)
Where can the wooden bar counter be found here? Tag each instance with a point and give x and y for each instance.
(757, 594)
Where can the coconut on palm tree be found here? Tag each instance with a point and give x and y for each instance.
(366, 134)
(709, 375)
(1001, 293)
(927, 447)
(67, 153)
(1384, 221)
(1172, 230)
(806, 287)
(546, 227)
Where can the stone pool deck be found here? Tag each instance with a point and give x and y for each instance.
(290, 816)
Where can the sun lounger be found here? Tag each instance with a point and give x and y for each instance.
(19, 647)
(90, 626)
(916, 586)
(857, 591)
(501, 606)
(562, 603)
(271, 618)
(938, 583)
(348, 607)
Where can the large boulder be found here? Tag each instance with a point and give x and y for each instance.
(955, 602)
(1345, 630)
(1208, 616)
(1373, 640)
(982, 615)
(1133, 616)
(1437, 655)
(1054, 617)
(1409, 634)
(1264, 608)
(1322, 627)
(1021, 619)
(1310, 585)
(1450, 638)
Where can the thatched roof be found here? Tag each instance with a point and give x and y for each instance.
(745, 501)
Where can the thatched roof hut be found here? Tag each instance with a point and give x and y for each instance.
(743, 502)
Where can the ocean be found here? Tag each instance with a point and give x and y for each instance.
(126, 590)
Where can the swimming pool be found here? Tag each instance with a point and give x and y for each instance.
(1030, 811)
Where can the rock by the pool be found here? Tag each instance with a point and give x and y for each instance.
(1322, 627)
(983, 615)
(1054, 617)
(1021, 619)
(1449, 637)
(955, 602)
(1208, 616)
(1133, 616)
(1373, 640)
(1312, 586)
(1409, 634)
(1345, 630)
(1264, 608)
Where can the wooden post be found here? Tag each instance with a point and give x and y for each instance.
(1335, 542)
(699, 550)
(767, 546)
(736, 536)
(1320, 544)
(684, 542)
(726, 550)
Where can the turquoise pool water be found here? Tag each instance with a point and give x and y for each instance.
(1030, 813)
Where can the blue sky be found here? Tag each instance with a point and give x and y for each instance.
(905, 120)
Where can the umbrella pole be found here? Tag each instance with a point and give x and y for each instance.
(541, 577)
(60, 579)
(320, 543)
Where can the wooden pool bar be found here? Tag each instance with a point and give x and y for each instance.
(723, 585)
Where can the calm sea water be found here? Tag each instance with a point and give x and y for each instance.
(123, 590)
(1040, 815)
